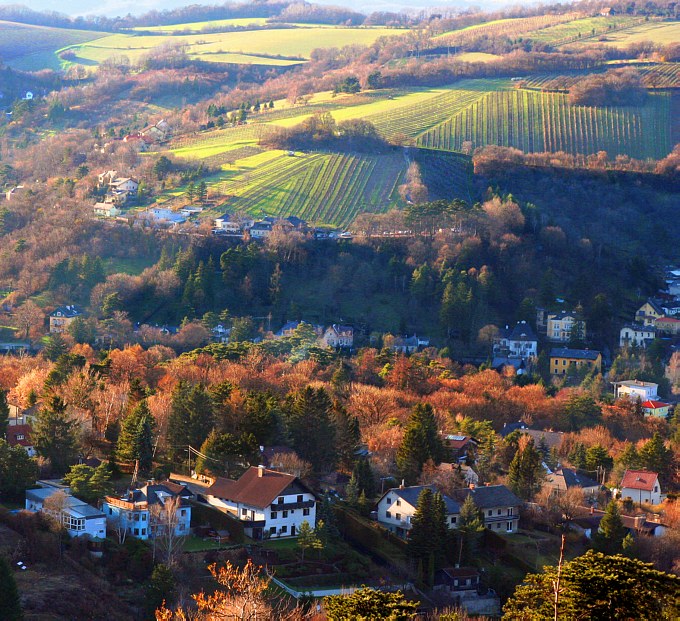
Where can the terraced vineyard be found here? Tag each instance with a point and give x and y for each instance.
(327, 188)
(415, 119)
(654, 75)
(537, 122)
(578, 29)
(502, 28)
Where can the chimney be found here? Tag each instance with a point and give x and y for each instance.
(472, 486)
(401, 486)
(592, 510)
(260, 471)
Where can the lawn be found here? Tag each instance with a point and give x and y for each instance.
(197, 544)
(295, 43)
(127, 265)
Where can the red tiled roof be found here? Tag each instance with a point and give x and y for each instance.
(252, 489)
(639, 479)
(668, 320)
(652, 405)
(19, 430)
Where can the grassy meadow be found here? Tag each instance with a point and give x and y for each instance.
(661, 33)
(582, 28)
(277, 44)
(31, 48)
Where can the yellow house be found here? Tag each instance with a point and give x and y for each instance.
(561, 326)
(562, 357)
(648, 313)
(61, 317)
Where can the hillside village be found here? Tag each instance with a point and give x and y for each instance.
(311, 314)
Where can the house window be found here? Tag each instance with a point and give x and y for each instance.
(136, 517)
(453, 520)
(183, 512)
(284, 529)
(398, 503)
(389, 500)
(272, 530)
(305, 512)
(510, 511)
(244, 512)
(274, 515)
(299, 498)
(285, 514)
(490, 512)
(499, 512)
(110, 511)
(398, 516)
(509, 527)
(181, 526)
(143, 517)
(143, 531)
(280, 500)
(136, 532)
(388, 514)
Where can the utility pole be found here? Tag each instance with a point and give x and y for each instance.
(556, 583)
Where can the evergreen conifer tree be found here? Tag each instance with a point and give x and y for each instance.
(470, 529)
(4, 413)
(421, 442)
(610, 535)
(55, 435)
(526, 473)
(10, 604)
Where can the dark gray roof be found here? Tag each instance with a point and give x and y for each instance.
(411, 494)
(508, 428)
(522, 332)
(572, 478)
(565, 352)
(489, 496)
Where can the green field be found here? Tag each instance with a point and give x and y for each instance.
(583, 28)
(538, 122)
(292, 43)
(30, 48)
(199, 26)
(661, 33)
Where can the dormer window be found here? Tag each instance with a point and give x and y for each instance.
(280, 500)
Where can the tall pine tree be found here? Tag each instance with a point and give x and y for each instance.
(526, 473)
(421, 442)
(609, 537)
(135, 441)
(55, 435)
(310, 426)
(191, 418)
(10, 604)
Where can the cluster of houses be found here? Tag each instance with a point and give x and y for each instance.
(153, 134)
(518, 346)
(654, 318)
(118, 192)
(238, 225)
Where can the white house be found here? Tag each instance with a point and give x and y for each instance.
(260, 230)
(338, 336)
(270, 504)
(398, 505)
(634, 389)
(520, 342)
(20, 435)
(106, 210)
(134, 512)
(62, 316)
(78, 517)
(159, 214)
(641, 486)
(497, 503)
(636, 335)
(232, 223)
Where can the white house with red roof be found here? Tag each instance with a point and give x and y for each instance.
(20, 435)
(658, 409)
(641, 486)
(269, 504)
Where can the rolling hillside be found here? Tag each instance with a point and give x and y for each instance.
(31, 48)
